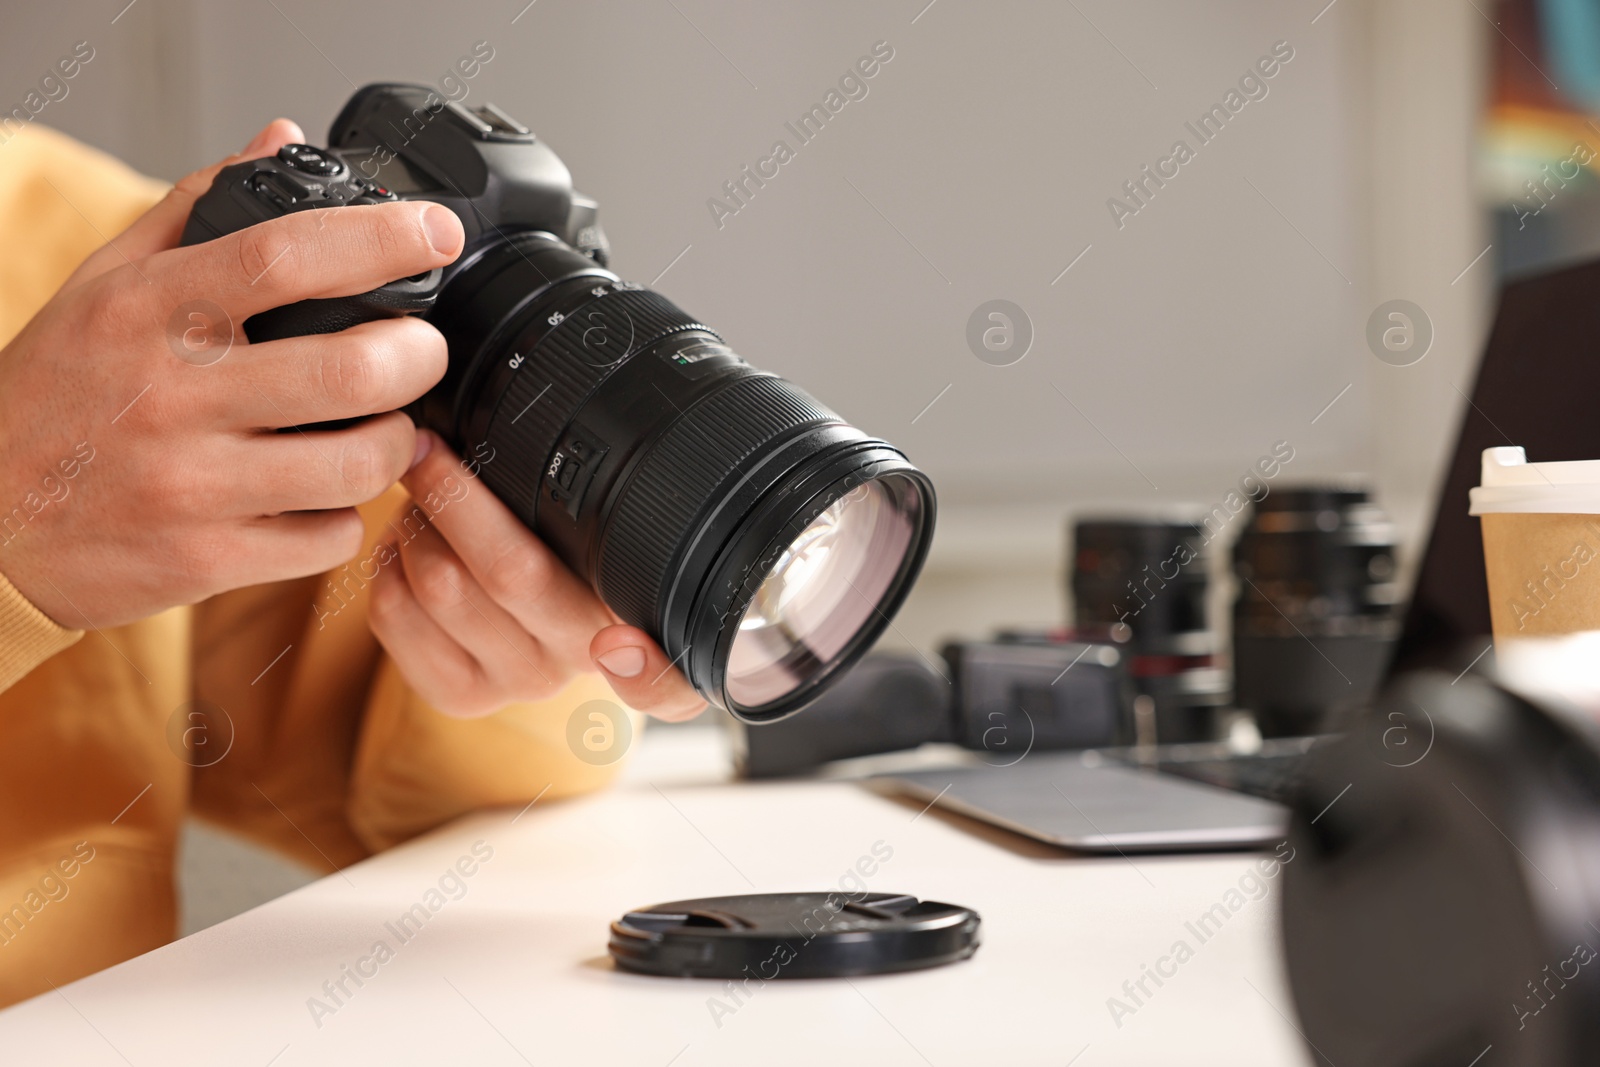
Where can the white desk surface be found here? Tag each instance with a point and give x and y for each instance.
(515, 971)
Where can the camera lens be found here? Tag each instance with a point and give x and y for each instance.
(1315, 619)
(1143, 583)
(761, 539)
(824, 589)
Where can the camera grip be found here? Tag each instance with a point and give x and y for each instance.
(405, 297)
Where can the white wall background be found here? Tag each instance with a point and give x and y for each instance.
(1222, 318)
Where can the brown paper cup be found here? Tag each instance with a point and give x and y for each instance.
(1544, 573)
(1541, 544)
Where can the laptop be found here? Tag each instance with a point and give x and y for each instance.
(1091, 802)
(1538, 386)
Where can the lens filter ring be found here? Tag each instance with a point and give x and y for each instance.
(846, 620)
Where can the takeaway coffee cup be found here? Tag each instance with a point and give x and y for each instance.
(1541, 544)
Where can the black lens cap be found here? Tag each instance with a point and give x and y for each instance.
(793, 935)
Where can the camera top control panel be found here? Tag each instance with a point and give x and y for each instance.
(299, 178)
(304, 178)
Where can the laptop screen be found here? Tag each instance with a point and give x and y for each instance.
(1538, 386)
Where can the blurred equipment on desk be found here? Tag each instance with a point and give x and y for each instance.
(1315, 619)
(1005, 698)
(1103, 801)
(1443, 897)
(889, 702)
(1143, 585)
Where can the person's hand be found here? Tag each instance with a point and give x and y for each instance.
(133, 479)
(478, 613)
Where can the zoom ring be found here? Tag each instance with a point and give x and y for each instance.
(681, 477)
(560, 372)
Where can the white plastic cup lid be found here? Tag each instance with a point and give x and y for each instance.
(1511, 485)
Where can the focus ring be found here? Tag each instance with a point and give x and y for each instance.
(561, 370)
(679, 479)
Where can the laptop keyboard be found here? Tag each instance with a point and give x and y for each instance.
(1272, 773)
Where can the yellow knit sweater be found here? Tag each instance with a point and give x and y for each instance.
(307, 737)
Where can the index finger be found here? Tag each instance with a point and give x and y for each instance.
(306, 255)
(516, 569)
(642, 676)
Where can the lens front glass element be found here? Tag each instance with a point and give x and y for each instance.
(823, 590)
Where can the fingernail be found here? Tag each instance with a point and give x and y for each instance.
(424, 446)
(624, 662)
(442, 227)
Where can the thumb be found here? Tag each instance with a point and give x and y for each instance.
(161, 227)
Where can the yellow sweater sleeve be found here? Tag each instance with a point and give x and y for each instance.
(416, 768)
(334, 756)
(57, 200)
(91, 794)
(28, 636)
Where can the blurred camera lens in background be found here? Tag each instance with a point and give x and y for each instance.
(1144, 583)
(1315, 619)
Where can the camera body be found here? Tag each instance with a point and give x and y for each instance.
(1003, 698)
(1031, 691)
(404, 142)
(760, 539)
